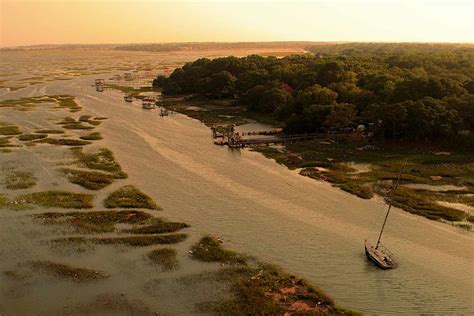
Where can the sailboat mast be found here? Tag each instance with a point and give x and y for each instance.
(390, 205)
(383, 226)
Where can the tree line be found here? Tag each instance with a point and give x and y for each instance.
(403, 91)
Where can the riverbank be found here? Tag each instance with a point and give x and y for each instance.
(364, 169)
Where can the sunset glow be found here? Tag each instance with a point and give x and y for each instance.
(58, 22)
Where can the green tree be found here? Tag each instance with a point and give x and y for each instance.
(316, 95)
(341, 116)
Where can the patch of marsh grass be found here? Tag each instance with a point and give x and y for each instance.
(76, 125)
(103, 160)
(61, 101)
(30, 137)
(84, 118)
(209, 249)
(266, 290)
(9, 129)
(68, 102)
(61, 199)
(259, 289)
(92, 180)
(414, 202)
(92, 136)
(3, 200)
(158, 227)
(87, 119)
(129, 197)
(16, 180)
(5, 142)
(66, 271)
(164, 257)
(62, 142)
(132, 241)
(93, 222)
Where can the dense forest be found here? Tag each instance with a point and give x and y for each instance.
(415, 92)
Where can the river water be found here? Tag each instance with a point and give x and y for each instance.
(263, 209)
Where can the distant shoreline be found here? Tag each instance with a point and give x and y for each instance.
(197, 46)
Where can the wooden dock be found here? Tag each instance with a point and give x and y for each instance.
(273, 140)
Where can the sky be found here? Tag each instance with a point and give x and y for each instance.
(137, 21)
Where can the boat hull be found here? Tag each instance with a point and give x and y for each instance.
(379, 257)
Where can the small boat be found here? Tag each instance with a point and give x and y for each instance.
(148, 105)
(164, 112)
(99, 85)
(128, 97)
(149, 102)
(378, 254)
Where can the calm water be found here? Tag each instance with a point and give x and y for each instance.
(264, 209)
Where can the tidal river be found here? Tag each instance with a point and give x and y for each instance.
(266, 210)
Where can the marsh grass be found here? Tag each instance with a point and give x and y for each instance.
(129, 197)
(209, 249)
(92, 136)
(362, 191)
(417, 203)
(260, 289)
(464, 197)
(60, 101)
(93, 222)
(5, 142)
(61, 199)
(66, 271)
(164, 257)
(465, 226)
(158, 227)
(455, 169)
(103, 160)
(94, 123)
(67, 102)
(84, 118)
(91, 180)
(30, 137)
(8, 129)
(141, 241)
(16, 180)
(62, 142)
(76, 126)
(3, 200)
(87, 119)
(132, 241)
(266, 290)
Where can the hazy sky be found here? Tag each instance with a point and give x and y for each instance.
(108, 21)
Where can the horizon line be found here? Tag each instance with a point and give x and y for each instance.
(231, 42)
